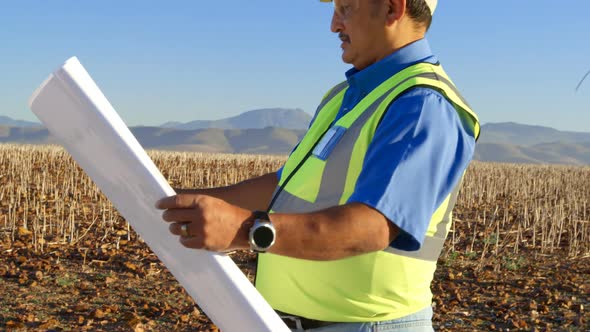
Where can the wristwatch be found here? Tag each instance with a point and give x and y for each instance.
(262, 234)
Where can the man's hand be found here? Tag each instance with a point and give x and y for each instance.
(212, 224)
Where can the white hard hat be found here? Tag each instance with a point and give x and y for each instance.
(431, 4)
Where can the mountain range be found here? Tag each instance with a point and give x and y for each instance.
(277, 131)
(527, 135)
(255, 119)
(6, 121)
(518, 143)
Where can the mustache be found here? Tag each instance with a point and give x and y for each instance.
(344, 37)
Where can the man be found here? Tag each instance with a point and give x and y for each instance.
(360, 211)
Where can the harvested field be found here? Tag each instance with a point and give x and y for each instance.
(518, 257)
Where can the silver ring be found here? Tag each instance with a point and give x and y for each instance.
(184, 230)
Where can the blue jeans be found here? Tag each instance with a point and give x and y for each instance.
(420, 321)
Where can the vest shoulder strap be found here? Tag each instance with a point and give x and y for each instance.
(432, 76)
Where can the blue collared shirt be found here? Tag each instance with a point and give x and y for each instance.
(419, 152)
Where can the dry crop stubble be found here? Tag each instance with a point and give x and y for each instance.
(545, 207)
(46, 195)
(57, 230)
(540, 207)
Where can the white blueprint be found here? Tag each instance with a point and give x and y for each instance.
(75, 111)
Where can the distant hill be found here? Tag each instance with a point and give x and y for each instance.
(519, 143)
(500, 142)
(546, 153)
(27, 135)
(10, 122)
(252, 141)
(527, 135)
(256, 119)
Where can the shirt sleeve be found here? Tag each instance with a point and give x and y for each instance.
(417, 156)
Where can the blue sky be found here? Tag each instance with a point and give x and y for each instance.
(162, 61)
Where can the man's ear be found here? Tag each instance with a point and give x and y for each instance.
(396, 9)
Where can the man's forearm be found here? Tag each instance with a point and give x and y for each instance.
(253, 194)
(329, 234)
(333, 233)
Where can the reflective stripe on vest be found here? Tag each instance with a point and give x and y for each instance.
(320, 184)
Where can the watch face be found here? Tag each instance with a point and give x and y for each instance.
(263, 237)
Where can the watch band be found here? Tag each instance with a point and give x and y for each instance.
(261, 215)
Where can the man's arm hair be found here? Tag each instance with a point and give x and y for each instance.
(252, 194)
(334, 233)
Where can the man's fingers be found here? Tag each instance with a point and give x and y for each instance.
(195, 242)
(180, 201)
(179, 215)
(176, 229)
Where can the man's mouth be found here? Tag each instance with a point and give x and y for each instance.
(344, 37)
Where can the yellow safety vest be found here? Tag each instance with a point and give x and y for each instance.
(377, 286)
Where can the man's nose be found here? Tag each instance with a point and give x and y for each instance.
(336, 25)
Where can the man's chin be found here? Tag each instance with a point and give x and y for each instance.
(346, 58)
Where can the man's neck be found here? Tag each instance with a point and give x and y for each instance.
(393, 46)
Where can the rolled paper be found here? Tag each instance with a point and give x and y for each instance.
(76, 112)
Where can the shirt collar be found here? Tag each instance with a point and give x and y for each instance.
(371, 77)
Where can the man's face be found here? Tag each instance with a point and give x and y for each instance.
(361, 30)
